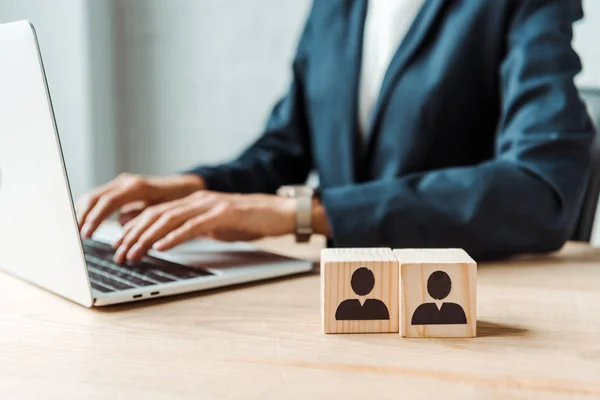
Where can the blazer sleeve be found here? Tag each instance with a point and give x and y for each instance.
(527, 198)
(282, 155)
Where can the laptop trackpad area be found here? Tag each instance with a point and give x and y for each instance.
(214, 256)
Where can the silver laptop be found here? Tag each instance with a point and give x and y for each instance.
(39, 239)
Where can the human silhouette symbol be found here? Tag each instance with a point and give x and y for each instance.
(439, 286)
(362, 283)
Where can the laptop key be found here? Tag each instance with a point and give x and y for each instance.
(124, 275)
(146, 273)
(104, 280)
(141, 282)
(150, 271)
(99, 287)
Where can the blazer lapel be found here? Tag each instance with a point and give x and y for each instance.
(408, 47)
(344, 144)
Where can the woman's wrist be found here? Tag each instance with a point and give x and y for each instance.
(177, 186)
(320, 222)
(192, 183)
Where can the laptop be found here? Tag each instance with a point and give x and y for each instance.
(39, 238)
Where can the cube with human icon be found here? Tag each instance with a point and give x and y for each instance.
(359, 290)
(438, 293)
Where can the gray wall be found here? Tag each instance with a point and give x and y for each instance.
(587, 35)
(196, 79)
(154, 86)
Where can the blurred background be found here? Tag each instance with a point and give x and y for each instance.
(156, 86)
(149, 86)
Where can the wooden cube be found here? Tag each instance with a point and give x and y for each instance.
(359, 290)
(438, 293)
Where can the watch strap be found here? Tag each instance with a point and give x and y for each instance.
(304, 229)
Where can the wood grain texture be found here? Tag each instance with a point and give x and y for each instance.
(416, 267)
(337, 269)
(538, 337)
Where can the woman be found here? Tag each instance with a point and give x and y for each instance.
(436, 123)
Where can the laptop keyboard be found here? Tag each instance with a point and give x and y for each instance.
(107, 276)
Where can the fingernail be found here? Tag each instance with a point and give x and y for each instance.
(118, 242)
(158, 245)
(133, 253)
(119, 255)
(86, 231)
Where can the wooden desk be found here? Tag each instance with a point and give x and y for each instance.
(539, 336)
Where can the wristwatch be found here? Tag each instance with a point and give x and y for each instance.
(304, 196)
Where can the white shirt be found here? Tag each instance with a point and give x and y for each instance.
(386, 25)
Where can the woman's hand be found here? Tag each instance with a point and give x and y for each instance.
(221, 216)
(131, 194)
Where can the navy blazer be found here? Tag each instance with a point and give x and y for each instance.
(478, 140)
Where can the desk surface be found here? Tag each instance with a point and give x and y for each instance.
(539, 336)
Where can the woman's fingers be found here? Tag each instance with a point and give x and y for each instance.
(94, 208)
(86, 203)
(204, 214)
(125, 231)
(198, 226)
(169, 221)
(159, 220)
(106, 205)
(136, 220)
(132, 232)
(130, 211)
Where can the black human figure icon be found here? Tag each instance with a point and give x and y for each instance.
(362, 283)
(439, 286)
